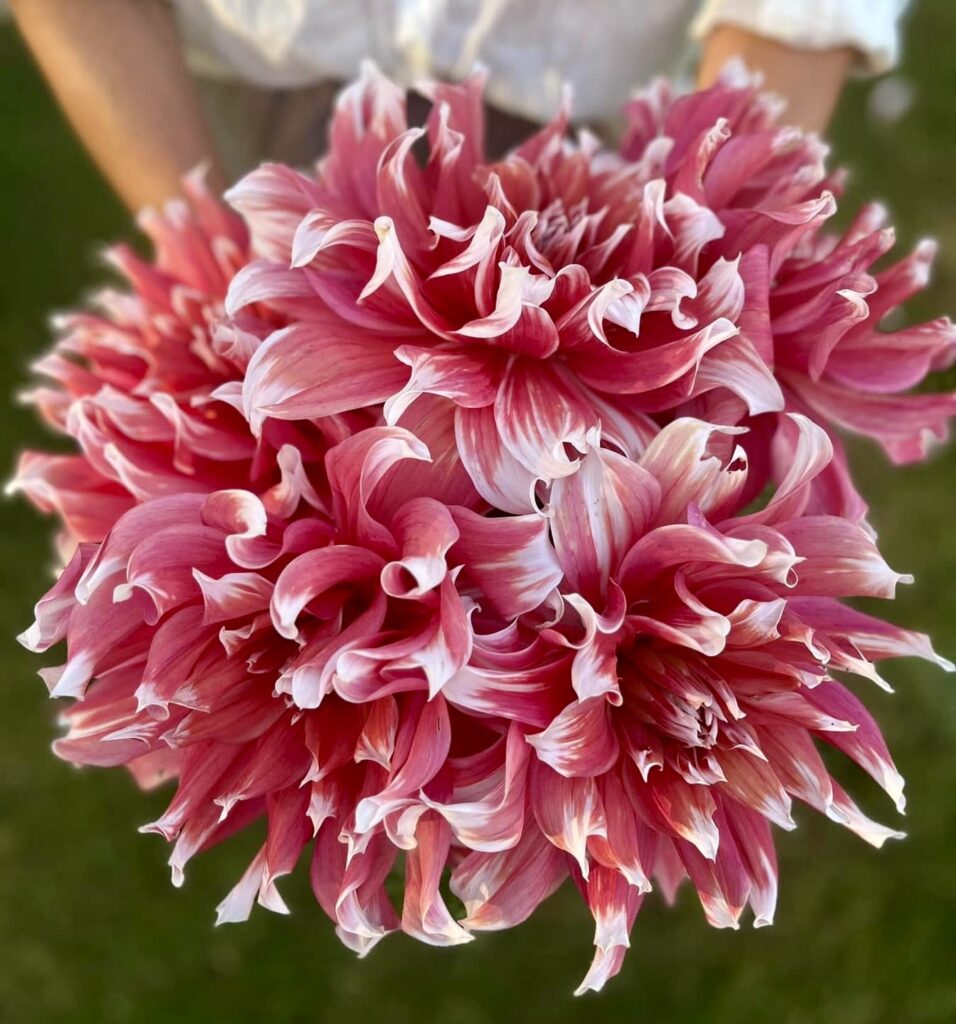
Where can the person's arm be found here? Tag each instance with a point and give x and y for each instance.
(809, 80)
(116, 68)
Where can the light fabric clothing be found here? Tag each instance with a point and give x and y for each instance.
(604, 48)
(871, 27)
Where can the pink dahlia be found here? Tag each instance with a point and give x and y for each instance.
(423, 526)
(130, 381)
(818, 303)
(567, 287)
(628, 690)
(291, 667)
(137, 383)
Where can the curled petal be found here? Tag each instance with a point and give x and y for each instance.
(497, 475)
(500, 890)
(468, 375)
(273, 199)
(424, 914)
(580, 742)
(839, 559)
(509, 560)
(313, 369)
(531, 694)
(669, 546)
(689, 473)
(568, 811)
(311, 575)
(538, 414)
(614, 904)
(486, 814)
(355, 467)
(425, 532)
(599, 513)
(426, 742)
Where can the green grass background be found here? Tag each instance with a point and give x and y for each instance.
(90, 928)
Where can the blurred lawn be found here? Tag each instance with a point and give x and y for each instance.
(90, 929)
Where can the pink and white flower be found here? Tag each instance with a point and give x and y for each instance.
(628, 691)
(427, 522)
(142, 383)
(686, 672)
(815, 307)
(130, 381)
(566, 287)
(292, 667)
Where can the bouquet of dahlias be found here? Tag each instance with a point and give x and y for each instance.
(487, 522)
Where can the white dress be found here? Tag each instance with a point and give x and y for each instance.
(604, 48)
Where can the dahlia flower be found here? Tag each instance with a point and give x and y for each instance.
(127, 381)
(294, 667)
(567, 287)
(629, 690)
(429, 521)
(132, 382)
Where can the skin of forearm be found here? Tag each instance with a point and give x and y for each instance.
(116, 69)
(809, 80)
